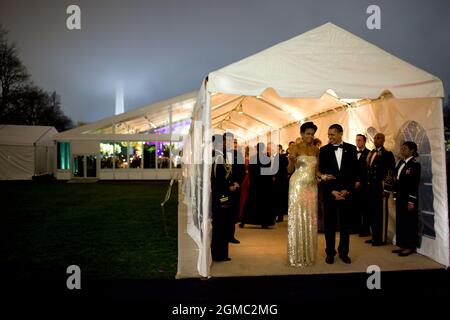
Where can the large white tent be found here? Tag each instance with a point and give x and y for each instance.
(142, 143)
(330, 76)
(25, 151)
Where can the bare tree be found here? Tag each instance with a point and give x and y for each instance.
(21, 102)
(13, 74)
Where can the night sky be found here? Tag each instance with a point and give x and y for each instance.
(160, 49)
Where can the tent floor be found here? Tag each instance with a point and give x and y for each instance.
(264, 252)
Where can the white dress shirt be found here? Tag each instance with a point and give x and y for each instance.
(338, 152)
(360, 153)
(374, 155)
(402, 166)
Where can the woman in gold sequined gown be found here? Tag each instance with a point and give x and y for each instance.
(302, 213)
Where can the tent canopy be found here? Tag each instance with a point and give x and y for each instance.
(146, 120)
(248, 117)
(15, 135)
(327, 57)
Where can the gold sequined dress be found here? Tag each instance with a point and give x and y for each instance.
(302, 216)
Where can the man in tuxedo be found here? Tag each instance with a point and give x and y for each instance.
(360, 219)
(236, 159)
(280, 182)
(380, 168)
(337, 164)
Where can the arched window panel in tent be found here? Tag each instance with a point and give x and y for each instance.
(413, 131)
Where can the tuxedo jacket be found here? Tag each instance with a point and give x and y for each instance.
(346, 175)
(381, 172)
(362, 166)
(406, 187)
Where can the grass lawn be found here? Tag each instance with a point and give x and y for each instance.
(110, 229)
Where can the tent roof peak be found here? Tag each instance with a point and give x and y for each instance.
(325, 57)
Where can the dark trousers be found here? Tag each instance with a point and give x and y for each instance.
(337, 211)
(234, 214)
(407, 224)
(360, 218)
(379, 214)
(220, 233)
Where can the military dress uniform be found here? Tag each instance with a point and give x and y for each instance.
(406, 189)
(221, 180)
(380, 182)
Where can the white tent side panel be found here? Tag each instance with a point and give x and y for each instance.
(16, 162)
(196, 182)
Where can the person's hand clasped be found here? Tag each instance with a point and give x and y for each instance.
(410, 206)
(338, 196)
(326, 177)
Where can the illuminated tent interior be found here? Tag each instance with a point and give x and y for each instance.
(326, 75)
(143, 143)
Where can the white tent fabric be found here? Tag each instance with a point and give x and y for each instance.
(323, 58)
(269, 93)
(25, 151)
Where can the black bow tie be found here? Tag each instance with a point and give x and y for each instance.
(339, 146)
(358, 151)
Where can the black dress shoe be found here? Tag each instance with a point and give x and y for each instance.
(405, 254)
(329, 259)
(368, 241)
(345, 259)
(234, 240)
(397, 250)
(377, 244)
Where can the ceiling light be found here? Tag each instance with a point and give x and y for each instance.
(240, 109)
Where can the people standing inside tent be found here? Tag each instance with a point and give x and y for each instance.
(281, 183)
(380, 167)
(236, 159)
(406, 195)
(221, 189)
(302, 212)
(259, 207)
(360, 220)
(337, 163)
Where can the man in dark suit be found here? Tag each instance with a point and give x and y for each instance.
(337, 164)
(360, 219)
(236, 159)
(380, 167)
(281, 183)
